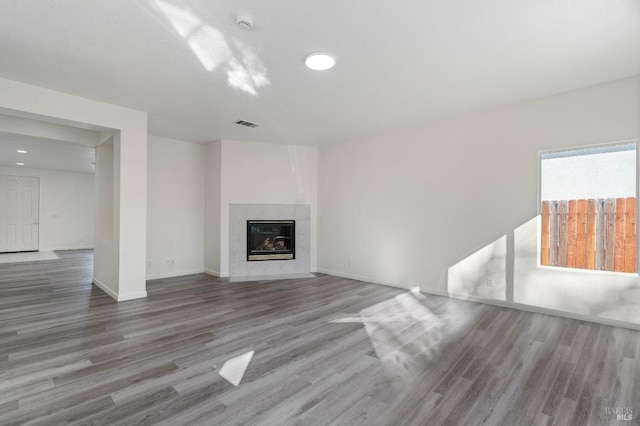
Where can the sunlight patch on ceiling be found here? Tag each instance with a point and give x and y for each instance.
(207, 43)
(245, 71)
(249, 73)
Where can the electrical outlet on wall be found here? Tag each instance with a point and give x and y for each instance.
(149, 264)
(489, 282)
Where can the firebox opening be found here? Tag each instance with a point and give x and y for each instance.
(271, 239)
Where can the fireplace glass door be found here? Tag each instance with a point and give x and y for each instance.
(271, 239)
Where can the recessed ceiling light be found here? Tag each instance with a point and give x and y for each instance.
(22, 151)
(19, 164)
(319, 61)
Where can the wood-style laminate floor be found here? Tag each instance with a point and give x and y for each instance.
(322, 350)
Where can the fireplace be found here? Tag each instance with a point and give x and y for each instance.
(271, 239)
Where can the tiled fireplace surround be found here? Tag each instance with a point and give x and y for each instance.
(239, 267)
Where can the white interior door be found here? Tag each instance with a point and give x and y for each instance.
(19, 209)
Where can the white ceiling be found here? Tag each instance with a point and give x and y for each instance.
(195, 73)
(46, 154)
(49, 145)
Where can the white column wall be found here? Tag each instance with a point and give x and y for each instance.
(213, 188)
(131, 170)
(175, 208)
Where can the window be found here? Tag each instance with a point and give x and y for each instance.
(588, 208)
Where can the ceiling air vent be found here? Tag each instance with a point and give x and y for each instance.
(246, 123)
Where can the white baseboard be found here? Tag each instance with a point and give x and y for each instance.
(131, 296)
(63, 248)
(359, 278)
(215, 273)
(495, 302)
(171, 274)
(104, 288)
(119, 297)
(534, 309)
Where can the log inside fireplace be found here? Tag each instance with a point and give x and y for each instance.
(271, 239)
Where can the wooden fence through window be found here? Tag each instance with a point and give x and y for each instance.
(590, 234)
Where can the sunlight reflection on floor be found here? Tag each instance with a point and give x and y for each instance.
(404, 331)
(233, 369)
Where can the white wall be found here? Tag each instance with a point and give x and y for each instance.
(175, 207)
(66, 208)
(213, 188)
(104, 187)
(257, 173)
(45, 130)
(127, 258)
(450, 204)
(105, 253)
